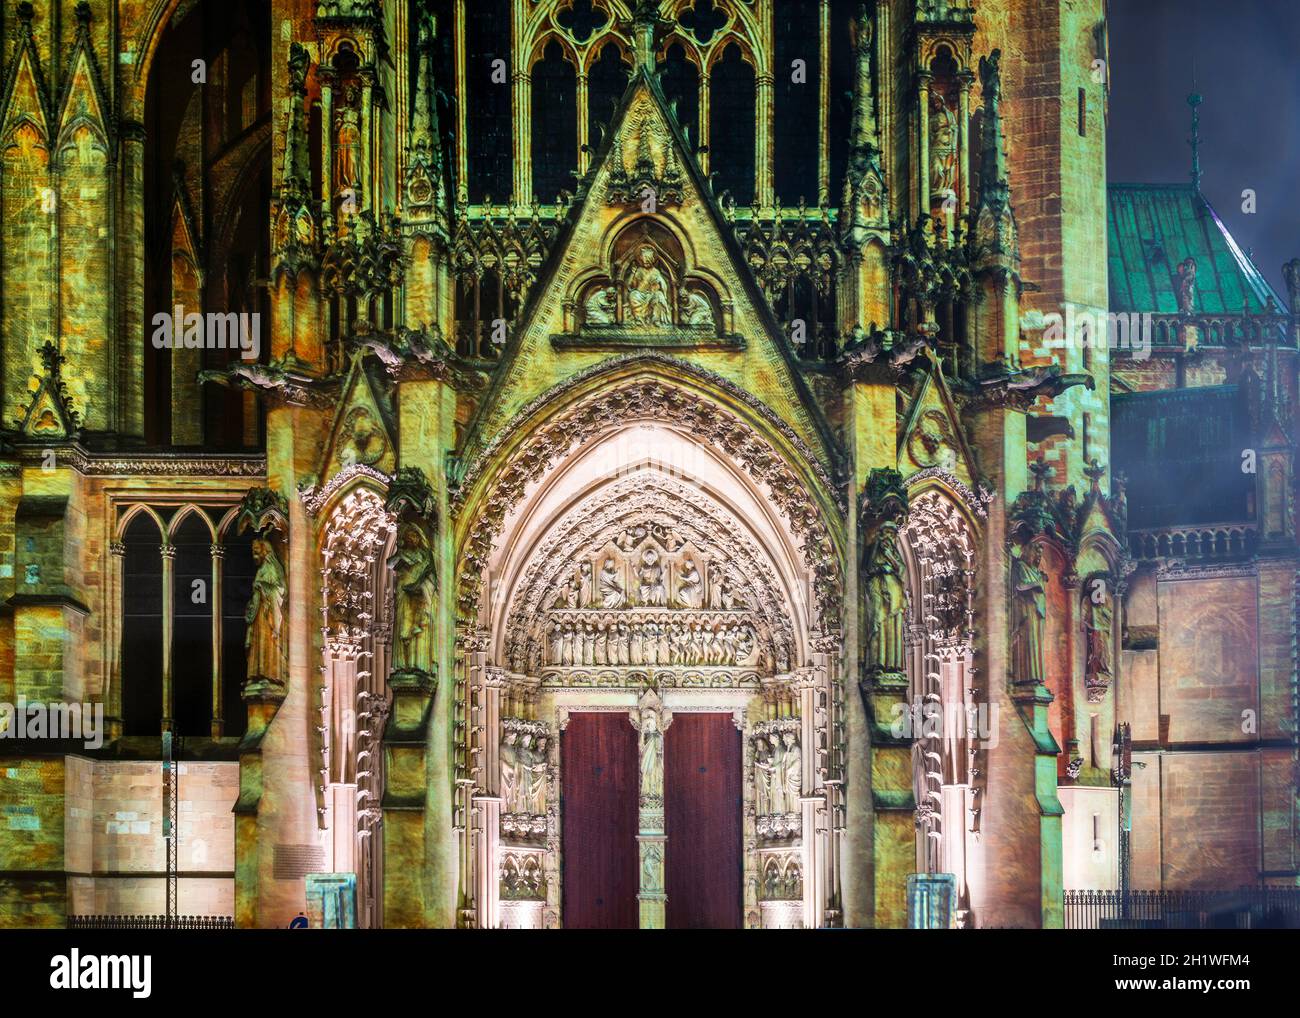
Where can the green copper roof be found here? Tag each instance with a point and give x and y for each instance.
(1152, 228)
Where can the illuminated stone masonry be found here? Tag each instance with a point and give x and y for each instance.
(648, 477)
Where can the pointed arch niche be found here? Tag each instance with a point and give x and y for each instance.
(352, 699)
(646, 561)
(950, 716)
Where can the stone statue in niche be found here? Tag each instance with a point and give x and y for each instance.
(416, 590)
(651, 876)
(777, 760)
(347, 147)
(792, 777)
(601, 306)
(535, 801)
(943, 148)
(264, 639)
(524, 783)
(510, 770)
(764, 777)
(611, 586)
(690, 593)
(647, 292)
(1099, 619)
(886, 600)
(652, 754)
(650, 575)
(1028, 615)
(697, 312)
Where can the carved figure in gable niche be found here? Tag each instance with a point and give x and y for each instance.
(647, 292)
(601, 306)
(697, 310)
(1028, 615)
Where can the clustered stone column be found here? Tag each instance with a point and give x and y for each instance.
(651, 720)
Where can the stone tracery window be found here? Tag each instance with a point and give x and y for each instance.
(177, 611)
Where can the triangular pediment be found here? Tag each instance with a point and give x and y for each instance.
(49, 415)
(25, 95)
(931, 435)
(83, 100)
(646, 261)
(363, 432)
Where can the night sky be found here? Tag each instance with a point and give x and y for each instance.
(1247, 62)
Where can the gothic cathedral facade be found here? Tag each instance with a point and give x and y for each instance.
(625, 463)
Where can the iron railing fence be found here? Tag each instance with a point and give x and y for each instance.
(1245, 908)
(151, 922)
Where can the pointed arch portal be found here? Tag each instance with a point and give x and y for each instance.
(647, 674)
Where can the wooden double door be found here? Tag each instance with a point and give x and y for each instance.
(703, 863)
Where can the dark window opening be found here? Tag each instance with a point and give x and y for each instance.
(489, 153)
(192, 627)
(142, 624)
(555, 125)
(731, 126)
(797, 25)
(606, 82)
(680, 80)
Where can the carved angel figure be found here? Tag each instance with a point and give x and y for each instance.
(696, 310)
(601, 306)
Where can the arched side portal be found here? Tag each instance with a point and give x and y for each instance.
(653, 566)
(356, 542)
(950, 721)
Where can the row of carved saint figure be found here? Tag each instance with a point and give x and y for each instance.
(649, 643)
